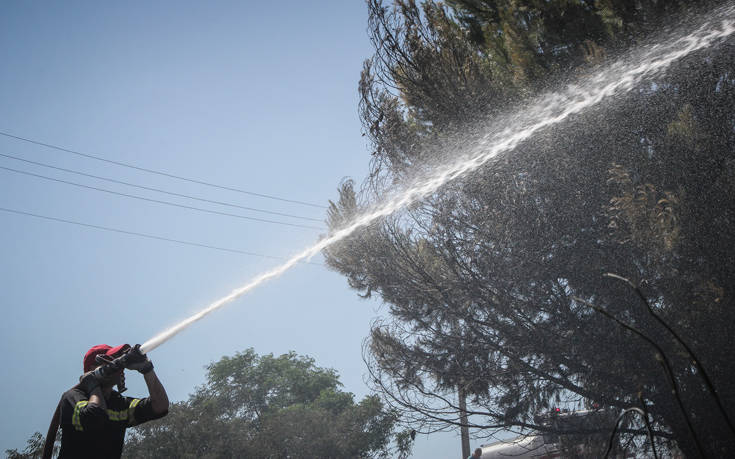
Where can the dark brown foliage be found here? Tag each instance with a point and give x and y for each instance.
(480, 278)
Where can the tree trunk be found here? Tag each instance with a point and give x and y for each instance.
(464, 430)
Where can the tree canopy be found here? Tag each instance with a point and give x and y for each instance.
(493, 282)
(33, 449)
(270, 407)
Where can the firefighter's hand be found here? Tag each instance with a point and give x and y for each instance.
(136, 360)
(90, 381)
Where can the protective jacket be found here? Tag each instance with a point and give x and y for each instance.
(89, 431)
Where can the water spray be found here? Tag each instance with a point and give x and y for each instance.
(549, 110)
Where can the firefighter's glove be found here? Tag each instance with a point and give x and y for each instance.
(90, 381)
(136, 360)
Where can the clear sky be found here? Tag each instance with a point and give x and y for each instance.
(252, 95)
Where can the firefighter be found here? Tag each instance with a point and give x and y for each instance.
(94, 417)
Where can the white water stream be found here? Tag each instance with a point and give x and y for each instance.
(547, 111)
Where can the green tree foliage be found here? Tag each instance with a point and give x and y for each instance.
(270, 407)
(33, 449)
(489, 281)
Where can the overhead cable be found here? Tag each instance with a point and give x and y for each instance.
(167, 203)
(149, 236)
(158, 190)
(158, 172)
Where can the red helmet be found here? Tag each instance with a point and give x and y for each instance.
(90, 362)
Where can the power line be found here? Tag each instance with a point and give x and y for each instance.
(153, 171)
(149, 236)
(158, 190)
(167, 203)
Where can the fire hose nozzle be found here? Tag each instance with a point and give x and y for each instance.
(111, 366)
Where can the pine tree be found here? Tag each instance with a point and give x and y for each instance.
(481, 278)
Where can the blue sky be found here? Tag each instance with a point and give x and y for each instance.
(243, 94)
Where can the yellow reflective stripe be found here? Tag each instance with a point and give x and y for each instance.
(112, 415)
(131, 411)
(75, 421)
(117, 415)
